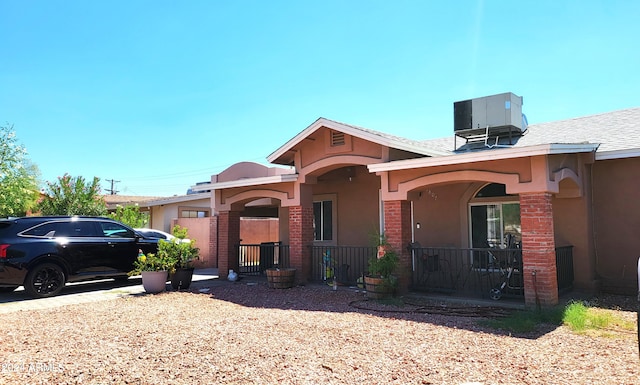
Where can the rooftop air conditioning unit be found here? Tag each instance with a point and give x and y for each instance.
(489, 115)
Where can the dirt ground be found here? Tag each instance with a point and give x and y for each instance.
(240, 333)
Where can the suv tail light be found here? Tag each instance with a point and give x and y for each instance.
(3, 251)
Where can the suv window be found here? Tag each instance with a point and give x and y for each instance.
(63, 229)
(44, 230)
(114, 230)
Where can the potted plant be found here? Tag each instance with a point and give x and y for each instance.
(183, 252)
(380, 281)
(154, 269)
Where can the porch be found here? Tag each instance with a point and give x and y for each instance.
(484, 273)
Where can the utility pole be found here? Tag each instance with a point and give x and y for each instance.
(112, 191)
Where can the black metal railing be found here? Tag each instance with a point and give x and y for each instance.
(255, 259)
(474, 272)
(480, 272)
(346, 263)
(564, 267)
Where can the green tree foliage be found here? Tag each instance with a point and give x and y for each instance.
(18, 176)
(131, 216)
(73, 196)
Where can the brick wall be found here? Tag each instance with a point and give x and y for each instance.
(228, 238)
(300, 238)
(397, 230)
(538, 250)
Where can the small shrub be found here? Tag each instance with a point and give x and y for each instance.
(575, 316)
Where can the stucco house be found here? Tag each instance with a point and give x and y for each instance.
(562, 196)
(192, 211)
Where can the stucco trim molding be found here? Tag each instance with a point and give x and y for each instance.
(250, 182)
(509, 179)
(567, 173)
(487, 155)
(308, 173)
(226, 203)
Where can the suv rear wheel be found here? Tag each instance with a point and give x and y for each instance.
(44, 280)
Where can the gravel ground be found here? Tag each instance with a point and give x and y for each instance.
(250, 334)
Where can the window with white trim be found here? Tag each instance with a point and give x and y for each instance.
(494, 219)
(324, 218)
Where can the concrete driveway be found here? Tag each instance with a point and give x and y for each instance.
(91, 291)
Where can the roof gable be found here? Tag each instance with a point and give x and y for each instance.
(383, 139)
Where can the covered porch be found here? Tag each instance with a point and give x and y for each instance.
(479, 273)
(505, 222)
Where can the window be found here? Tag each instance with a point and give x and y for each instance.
(495, 221)
(194, 213)
(495, 225)
(114, 230)
(324, 218)
(63, 229)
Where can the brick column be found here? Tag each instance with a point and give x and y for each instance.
(228, 239)
(397, 230)
(300, 238)
(538, 250)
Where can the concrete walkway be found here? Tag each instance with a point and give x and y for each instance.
(92, 291)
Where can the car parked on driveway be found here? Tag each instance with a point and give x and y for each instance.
(159, 234)
(44, 253)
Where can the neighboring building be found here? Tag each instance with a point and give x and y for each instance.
(570, 185)
(192, 211)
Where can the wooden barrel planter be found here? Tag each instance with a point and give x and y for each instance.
(281, 278)
(377, 288)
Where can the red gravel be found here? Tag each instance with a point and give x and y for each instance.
(250, 334)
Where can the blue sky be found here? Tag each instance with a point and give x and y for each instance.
(159, 94)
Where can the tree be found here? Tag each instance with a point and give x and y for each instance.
(73, 196)
(130, 216)
(18, 176)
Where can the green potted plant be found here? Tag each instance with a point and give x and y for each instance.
(183, 252)
(380, 281)
(154, 269)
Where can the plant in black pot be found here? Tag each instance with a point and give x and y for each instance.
(380, 281)
(184, 252)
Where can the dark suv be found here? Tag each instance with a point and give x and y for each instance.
(43, 253)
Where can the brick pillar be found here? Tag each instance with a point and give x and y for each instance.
(300, 238)
(538, 250)
(228, 240)
(213, 243)
(397, 230)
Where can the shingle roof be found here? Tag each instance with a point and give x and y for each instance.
(614, 131)
(617, 130)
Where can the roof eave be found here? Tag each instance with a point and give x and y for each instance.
(353, 131)
(497, 154)
(248, 182)
(618, 154)
(176, 199)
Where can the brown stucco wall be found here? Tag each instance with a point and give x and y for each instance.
(616, 202)
(199, 229)
(437, 209)
(572, 224)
